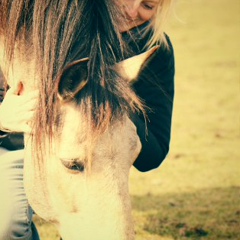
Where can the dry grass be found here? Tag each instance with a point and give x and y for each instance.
(195, 193)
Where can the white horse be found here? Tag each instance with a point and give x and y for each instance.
(76, 175)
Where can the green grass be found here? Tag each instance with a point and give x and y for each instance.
(195, 194)
(209, 214)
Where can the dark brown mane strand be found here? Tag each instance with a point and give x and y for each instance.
(57, 33)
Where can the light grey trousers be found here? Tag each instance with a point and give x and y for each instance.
(15, 212)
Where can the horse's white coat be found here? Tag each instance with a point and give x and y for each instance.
(88, 204)
(93, 204)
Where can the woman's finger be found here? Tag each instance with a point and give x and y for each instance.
(26, 128)
(27, 96)
(26, 117)
(28, 106)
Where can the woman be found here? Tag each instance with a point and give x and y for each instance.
(141, 26)
(143, 29)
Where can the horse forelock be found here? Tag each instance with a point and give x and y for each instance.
(58, 34)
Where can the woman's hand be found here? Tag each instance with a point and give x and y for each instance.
(16, 111)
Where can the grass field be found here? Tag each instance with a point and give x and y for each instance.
(195, 194)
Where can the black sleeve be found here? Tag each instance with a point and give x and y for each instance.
(2, 134)
(10, 141)
(155, 86)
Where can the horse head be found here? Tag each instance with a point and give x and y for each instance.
(83, 144)
(82, 185)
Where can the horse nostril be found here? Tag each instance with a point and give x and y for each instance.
(73, 164)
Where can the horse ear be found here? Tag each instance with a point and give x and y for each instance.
(72, 79)
(130, 67)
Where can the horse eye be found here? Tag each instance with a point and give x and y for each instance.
(73, 165)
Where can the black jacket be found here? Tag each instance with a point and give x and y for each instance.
(155, 86)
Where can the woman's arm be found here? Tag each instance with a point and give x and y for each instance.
(156, 87)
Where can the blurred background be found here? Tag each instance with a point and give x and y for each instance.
(195, 194)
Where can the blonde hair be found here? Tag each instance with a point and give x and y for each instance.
(158, 22)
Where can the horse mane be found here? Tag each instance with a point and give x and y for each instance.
(58, 33)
